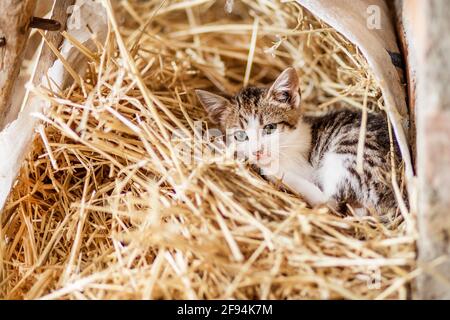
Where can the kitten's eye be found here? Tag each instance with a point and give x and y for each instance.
(270, 128)
(240, 135)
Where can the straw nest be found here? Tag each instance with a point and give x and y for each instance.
(106, 208)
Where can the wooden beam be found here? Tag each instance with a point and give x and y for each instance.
(47, 57)
(431, 20)
(406, 37)
(15, 17)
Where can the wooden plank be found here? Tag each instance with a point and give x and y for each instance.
(406, 38)
(431, 20)
(14, 28)
(47, 57)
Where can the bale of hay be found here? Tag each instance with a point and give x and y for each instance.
(107, 207)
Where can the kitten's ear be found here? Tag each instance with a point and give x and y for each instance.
(214, 104)
(286, 88)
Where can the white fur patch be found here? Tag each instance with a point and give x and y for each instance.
(332, 173)
(254, 134)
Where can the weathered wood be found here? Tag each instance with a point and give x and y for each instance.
(14, 27)
(431, 21)
(47, 57)
(406, 38)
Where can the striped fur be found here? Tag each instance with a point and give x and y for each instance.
(335, 135)
(316, 156)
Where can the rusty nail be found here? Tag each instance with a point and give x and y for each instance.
(2, 42)
(45, 24)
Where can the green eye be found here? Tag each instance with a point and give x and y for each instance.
(240, 135)
(270, 128)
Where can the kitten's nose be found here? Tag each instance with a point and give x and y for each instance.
(258, 154)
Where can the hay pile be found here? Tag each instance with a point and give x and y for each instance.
(106, 208)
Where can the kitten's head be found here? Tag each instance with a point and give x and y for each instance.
(258, 120)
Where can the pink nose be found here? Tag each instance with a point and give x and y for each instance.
(258, 154)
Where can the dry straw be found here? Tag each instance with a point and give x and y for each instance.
(105, 207)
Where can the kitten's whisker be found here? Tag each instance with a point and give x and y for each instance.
(296, 160)
(289, 146)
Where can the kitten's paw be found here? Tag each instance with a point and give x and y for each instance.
(321, 200)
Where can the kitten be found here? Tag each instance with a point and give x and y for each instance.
(315, 155)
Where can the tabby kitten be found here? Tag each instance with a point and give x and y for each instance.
(314, 155)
